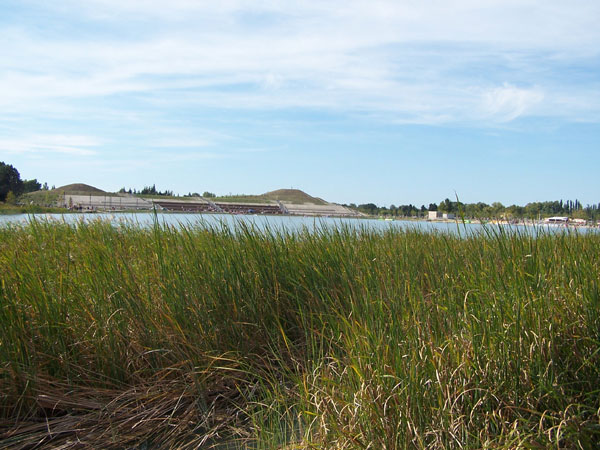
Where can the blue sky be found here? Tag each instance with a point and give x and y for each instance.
(352, 101)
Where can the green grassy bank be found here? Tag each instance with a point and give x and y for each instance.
(122, 336)
(6, 209)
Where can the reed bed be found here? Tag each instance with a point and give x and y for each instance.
(120, 336)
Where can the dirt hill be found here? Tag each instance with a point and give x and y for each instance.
(295, 196)
(78, 189)
(52, 196)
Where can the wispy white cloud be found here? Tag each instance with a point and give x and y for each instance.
(50, 144)
(508, 102)
(179, 143)
(412, 62)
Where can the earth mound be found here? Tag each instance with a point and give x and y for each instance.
(295, 196)
(79, 189)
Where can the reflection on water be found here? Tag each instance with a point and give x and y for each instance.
(291, 223)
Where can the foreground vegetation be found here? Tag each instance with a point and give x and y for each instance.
(120, 336)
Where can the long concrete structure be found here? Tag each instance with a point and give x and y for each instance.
(329, 209)
(119, 202)
(123, 202)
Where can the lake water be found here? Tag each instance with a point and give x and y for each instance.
(177, 219)
(277, 222)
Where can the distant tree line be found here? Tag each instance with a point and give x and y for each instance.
(533, 210)
(11, 184)
(205, 194)
(147, 190)
(570, 208)
(151, 190)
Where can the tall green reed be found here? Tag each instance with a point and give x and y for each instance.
(336, 337)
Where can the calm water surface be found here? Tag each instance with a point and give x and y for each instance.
(291, 223)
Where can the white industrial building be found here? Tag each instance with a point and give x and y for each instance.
(438, 215)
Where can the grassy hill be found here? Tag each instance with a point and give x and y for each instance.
(50, 197)
(79, 189)
(295, 196)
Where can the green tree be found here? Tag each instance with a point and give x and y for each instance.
(514, 211)
(497, 209)
(369, 208)
(10, 180)
(31, 186)
(446, 206)
(11, 198)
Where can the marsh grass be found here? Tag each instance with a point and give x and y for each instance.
(124, 336)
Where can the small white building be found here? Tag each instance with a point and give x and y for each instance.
(438, 215)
